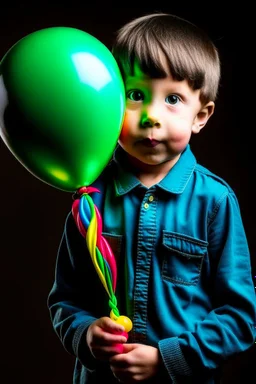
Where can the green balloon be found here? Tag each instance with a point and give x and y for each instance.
(62, 103)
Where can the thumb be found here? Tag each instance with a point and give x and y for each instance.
(129, 347)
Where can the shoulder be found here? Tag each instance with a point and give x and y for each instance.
(196, 179)
(211, 182)
(214, 190)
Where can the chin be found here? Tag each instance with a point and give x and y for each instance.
(152, 161)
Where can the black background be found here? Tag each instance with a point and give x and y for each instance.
(33, 213)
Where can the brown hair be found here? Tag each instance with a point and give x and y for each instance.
(189, 52)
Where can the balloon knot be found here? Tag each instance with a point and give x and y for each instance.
(84, 191)
(113, 305)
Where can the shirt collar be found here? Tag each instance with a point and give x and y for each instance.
(174, 182)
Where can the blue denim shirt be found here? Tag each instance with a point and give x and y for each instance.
(184, 273)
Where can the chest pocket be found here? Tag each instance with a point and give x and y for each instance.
(182, 258)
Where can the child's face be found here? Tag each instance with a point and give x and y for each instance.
(161, 115)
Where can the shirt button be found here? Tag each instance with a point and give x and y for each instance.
(146, 205)
(151, 198)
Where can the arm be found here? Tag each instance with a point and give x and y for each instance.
(77, 298)
(229, 328)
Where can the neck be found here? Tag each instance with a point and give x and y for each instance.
(150, 175)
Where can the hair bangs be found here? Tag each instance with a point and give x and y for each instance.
(165, 45)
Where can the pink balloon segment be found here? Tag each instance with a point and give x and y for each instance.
(105, 249)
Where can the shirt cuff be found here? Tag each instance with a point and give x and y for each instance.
(80, 347)
(174, 359)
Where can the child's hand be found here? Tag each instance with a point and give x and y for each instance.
(105, 338)
(137, 363)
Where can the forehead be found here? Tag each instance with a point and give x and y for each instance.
(138, 73)
(168, 84)
(138, 78)
(151, 60)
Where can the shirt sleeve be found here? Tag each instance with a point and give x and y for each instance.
(229, 328)
(74, 301)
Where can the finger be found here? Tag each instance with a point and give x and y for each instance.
(119, 361)
(113, 338)
(105, 353)
(112, 326)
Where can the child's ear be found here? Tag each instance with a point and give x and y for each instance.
(203, 116)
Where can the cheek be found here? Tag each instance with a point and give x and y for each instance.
(179, 139)
(125, 129)
(180, 132)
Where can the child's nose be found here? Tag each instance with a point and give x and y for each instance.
(148, 120)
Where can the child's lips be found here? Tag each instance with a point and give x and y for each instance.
(151, 143)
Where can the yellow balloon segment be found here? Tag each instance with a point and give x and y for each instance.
(122, 320)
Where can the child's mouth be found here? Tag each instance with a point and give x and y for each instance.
(151, 143)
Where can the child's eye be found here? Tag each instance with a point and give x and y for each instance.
(172, 99)
(135, 95)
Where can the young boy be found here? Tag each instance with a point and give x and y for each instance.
(184, 274)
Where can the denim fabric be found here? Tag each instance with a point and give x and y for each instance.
(184, 273)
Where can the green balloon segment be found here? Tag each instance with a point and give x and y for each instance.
(62, 103)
